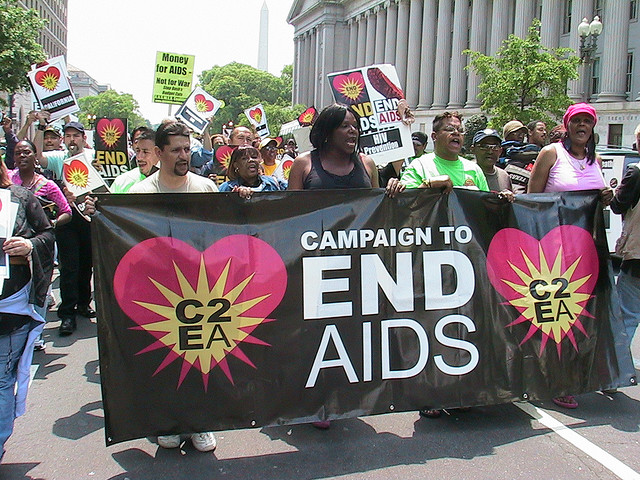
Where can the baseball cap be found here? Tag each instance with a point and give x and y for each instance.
(76, 125)
(513, 126)
(577, 108)
(487, 132)
(266, 141)
(54, 130)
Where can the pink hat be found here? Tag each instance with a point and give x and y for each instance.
(576, 109)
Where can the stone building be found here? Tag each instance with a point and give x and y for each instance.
(53, 38)
(424, 39)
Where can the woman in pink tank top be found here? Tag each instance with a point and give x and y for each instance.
(570, 165)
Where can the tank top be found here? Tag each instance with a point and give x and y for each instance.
(570, 174)
(319, 179)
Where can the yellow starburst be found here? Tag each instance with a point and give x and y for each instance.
(351, 89)
(49, 81)
(203, 325)
(111, 134)
(550, 299)
(77, 177)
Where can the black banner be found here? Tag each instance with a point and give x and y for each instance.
(218, 312)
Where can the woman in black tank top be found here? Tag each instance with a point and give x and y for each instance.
(335, 161)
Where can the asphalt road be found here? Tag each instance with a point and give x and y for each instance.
(61, 437)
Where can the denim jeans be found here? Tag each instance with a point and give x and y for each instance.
(629, 291)
(11, 348)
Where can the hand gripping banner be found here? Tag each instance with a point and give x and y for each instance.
(217, 312)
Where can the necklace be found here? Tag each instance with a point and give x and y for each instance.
(581, 163)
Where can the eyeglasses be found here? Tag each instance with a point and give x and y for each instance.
(489, 148)
(451, 129)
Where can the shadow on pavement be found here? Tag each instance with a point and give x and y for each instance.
(349, 446)
(17, 471)
(80, 424)
(618, 410)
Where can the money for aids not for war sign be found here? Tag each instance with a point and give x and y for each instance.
(173, 78)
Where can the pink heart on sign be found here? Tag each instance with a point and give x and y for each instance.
(256, 114)
(548, 281)
(219, 296)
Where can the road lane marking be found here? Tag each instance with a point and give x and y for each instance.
(598, 454)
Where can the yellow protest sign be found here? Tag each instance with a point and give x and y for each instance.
(173, 77)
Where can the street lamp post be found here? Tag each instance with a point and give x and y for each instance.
(588, 33)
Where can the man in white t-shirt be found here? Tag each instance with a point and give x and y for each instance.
(173, 148)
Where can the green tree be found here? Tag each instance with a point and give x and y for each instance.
(112, 104)
(19, 47)
(241, 86)
(524, 80)
(473, 124)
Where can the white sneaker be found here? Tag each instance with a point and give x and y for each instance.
(204, 442)
(169, 441)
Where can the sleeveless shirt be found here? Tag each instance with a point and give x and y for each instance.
(570, 174)
(319, 179)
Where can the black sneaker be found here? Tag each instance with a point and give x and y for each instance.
(67, 326)
(86, 312)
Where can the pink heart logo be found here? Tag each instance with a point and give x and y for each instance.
(48, 78)
(110, 130)
(256, 114)
(350, 87)
(548, 281)
(202, 104)
(201, 306)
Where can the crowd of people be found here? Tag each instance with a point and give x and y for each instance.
(520, 159)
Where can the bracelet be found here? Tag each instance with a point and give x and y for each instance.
(427, 182)
(41, 127)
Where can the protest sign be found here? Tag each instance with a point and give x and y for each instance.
(111, 146)
(300, 306)
(81, 177)
(258, 119)
(173, 77)
(373, 93)
(51, 87)
(196, 111)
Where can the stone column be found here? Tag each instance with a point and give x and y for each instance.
(391, 33)
(402, 41)
(305, 68)
(614, 63)
(326, 53)
(551, 23)
(362, 40)
(370, 48)
(428, 55)
(458, 82)
(381, 24)
(313, 69)
(524, 12)
(477, 43)
(499, 25)
(412, 85)
(443, 57)
(353, 42)
(579, 10)
(295, 93)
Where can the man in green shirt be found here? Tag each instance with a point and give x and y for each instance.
(444, 168)
(146, 158)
